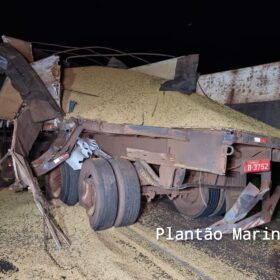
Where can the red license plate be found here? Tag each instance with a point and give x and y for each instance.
(255, 166)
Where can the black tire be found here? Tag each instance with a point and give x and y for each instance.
(199, 207)
(221, 207)
(69, 193)
(128, 191)
(98, 193)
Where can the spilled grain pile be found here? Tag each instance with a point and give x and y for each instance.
(128, 97)
(115, 254)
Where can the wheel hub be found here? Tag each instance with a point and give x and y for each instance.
(88, 195)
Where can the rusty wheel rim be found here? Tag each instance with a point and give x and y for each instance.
(88, 195)
(54, 183)
(193, 202)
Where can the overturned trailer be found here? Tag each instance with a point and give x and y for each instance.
(127, 134)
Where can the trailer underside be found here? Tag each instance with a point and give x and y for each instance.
(202, 171)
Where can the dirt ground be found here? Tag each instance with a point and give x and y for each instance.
(27, 252)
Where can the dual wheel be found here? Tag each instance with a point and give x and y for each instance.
(201, 202)
(110, 192)
(62, 183)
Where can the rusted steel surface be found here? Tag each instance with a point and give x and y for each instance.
(242, 153)
(58, 152)
(246, 85)
(152, 157)
(126, 129)
(146, 174)
(230, 136)
(254, 139)
(86, 193)
(232, 179)
(27, 132)
(211, 144)
(178, 148)
(25, 48)
(170, 152)
(206, 151)
(152, 191)
(166, 175)
(179, 177)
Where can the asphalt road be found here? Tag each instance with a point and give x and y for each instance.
(27, 252)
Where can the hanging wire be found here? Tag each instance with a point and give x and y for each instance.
(54, 45)
(135, 55)
(203, 90)
(70, 49)
(74, 53)
(103, 48)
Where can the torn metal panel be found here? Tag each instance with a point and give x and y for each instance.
(186, 75)
(163, 69)
(29, 84)
(49, 72)
(10, 100)
(25, 48)
(251, 84)
(27, 132)
(58, 152)
(116, 63)
(246, 201)
(24, 177)
(234, 218)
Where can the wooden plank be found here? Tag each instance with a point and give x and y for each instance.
(251, 84)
